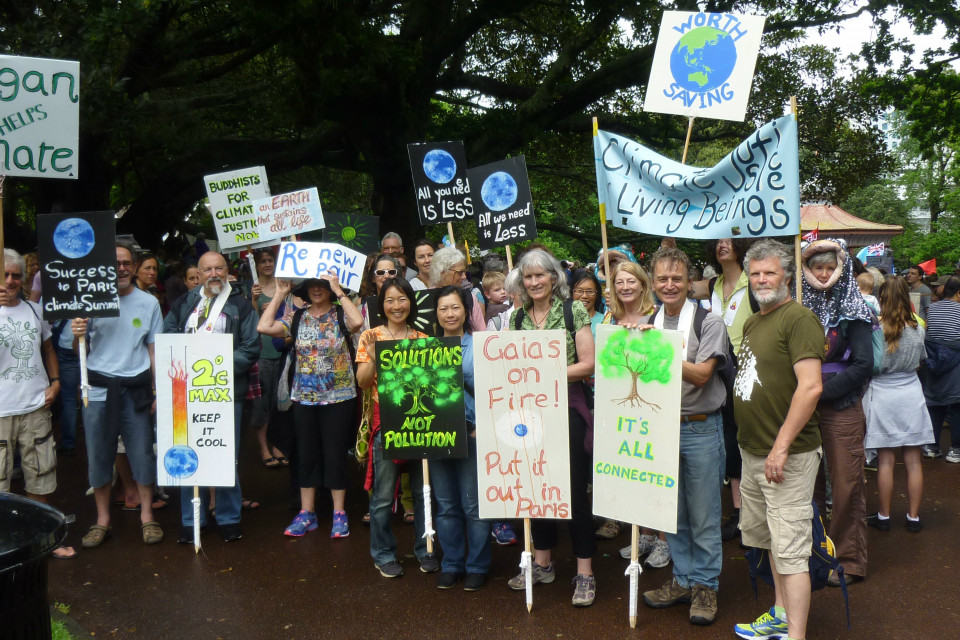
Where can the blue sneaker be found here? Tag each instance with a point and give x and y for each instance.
(340, 528)
(304, 521)
(766, 627)
(503, 533)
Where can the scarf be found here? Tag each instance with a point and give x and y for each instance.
(204, 315)
(839, 298)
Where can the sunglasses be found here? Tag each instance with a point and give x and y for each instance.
(385, 272)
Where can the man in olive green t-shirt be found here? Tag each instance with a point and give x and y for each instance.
(775, 399)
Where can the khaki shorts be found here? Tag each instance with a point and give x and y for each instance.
(32, 435)
(778, 516)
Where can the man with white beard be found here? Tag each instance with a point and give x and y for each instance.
(216, 307)
(775, 399)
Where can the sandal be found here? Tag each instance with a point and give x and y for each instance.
(408, 517)
(249, 505)
(95, 536)
(283, 460)
(366, 518)
(271, 462)
(65, 553)
(152, 533)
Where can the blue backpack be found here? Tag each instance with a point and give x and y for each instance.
(822, 562)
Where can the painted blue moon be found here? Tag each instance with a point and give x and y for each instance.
(520, 429)
(439, 166)
(499, 191)
(74, 238)
(180, 461)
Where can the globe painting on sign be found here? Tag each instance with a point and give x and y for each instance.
(74, 238)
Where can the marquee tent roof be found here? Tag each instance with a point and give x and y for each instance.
(834, 222)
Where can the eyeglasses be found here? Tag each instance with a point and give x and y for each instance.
(584, 292)
(125, 264)
(458, 272)
(386, 272)
(13, 276)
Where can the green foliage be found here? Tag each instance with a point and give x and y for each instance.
(879, 202)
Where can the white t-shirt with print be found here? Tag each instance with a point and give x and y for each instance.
(23, 379)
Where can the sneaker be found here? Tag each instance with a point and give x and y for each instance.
(731, 528)
(447, 580)
(953, 455)
(429, 564)
(645, 545)
(930, 451)
(390, 569)
(914, 526)
(541, 575)
(503, 533)
(703, 610)
(302, 523)
(767, 626)
(474, 581)
(660, 556)
(608, 530)
(340, 528)
(874, 520)
(669, 594)
(584, 590)
(231, 532)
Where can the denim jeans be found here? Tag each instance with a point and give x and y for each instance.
(696, 546)
(937, 415)
(229, 499)
(383, 544)
(69, 384)
(465, 538)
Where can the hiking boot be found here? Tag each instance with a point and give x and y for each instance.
(303, 522)
(953, 455)
(660, 556)
(766, 627)
(669, 594)
(340, 528)
(731, 528)
(874, 520)
(503, 533)
(645, 545)
(584, 591)
(541, 575)
(703, 609)
(930, 451)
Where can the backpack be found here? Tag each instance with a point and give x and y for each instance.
(729, 373)
(568, 324)
(822, 562)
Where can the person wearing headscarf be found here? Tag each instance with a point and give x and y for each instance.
(830, 291)
(618, 254)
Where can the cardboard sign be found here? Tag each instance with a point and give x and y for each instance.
(753, 192)
(440, 182)
(283, 215)
(231, 196)
(703, 65)
(636, 428)
(195, 396)
(305, 260)
(523, 453)
(505, 206)
(420, 384)
(426, 319)
(356, 231)
(39, 117)
(78, 258)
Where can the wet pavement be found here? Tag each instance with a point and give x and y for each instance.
(270, 586)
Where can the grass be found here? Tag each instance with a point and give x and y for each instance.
(59, 631)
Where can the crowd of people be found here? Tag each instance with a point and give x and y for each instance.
(790, 401)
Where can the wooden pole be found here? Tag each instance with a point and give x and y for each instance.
(453, 241)
(2, 178)
(686, 144)
(634, 556)
(603, 220)
(528, 547)
(509, 259)
(466, 249)
(796, 241)
(196, 519)
(426, 486)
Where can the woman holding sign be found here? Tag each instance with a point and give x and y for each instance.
(465, 538)
(398, 307)
(544, 297)
(323, 393)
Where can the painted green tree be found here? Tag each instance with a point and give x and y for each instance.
(438, 383)
(643, 356)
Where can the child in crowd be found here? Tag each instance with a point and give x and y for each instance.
(495, 293)
(865, 282)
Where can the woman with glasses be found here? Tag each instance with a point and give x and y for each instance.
(383, 268)
(585, 287)
(448, 268)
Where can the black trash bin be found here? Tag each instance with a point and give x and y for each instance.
(29, 531)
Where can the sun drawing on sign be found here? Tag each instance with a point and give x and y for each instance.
(350, 229)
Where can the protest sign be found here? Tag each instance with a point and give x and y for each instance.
(440, 181)
(231, 196)
(425, 320)
(305, 260)
(636, 429)
(420, 384)
(356, 231)
(703, 64)
(285, 214)
(195, 400)
(78, 258)
(753, 192)
(505, 207)
(523, 453)
(39, 117)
